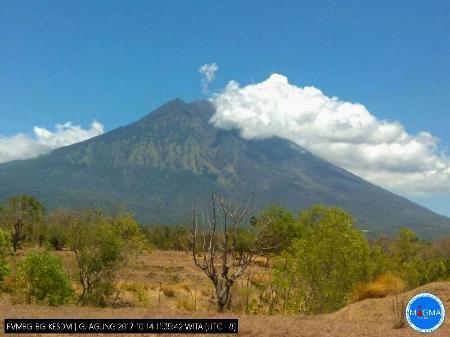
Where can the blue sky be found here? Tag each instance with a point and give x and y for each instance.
(114, 61)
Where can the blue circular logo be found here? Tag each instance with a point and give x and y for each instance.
(425, 312)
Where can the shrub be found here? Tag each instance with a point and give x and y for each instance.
(287, 284)
(166, 238)
(25, 213)
(41, 277)
(139, 292)
(384, 285)
(282, 227)
(417, 261)
(103, 247)
(57, 236)
(5, 247)
(242, 300)
(98, 251)
(329, 259)
(59, 223)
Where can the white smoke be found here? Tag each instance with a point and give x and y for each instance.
(209, 73)
(344, 133)
(22, 146)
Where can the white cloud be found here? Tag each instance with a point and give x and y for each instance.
(344, 133)
(209, 73)
(22, 146)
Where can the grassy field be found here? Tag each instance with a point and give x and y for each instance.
(167, 284)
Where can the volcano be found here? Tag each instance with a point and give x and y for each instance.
(159, 166)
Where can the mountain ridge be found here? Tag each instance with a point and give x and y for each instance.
(158, 166)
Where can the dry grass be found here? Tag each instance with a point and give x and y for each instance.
(185, 287)
(399, 311)
(259, 279)
(370, 317)
(186, 304)
(386, 284)
(371, 309)
(357, 320)
(168, 291)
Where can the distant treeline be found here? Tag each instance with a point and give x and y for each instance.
(166, 237)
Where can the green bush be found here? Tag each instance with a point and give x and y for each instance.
(99, 256)
(103, 247)
(329, 259)
(287, 284)
(58, 227)
(57, 236)
(417, 262)
(41, 278)
(281, 227)
(166, 238)
(25, 214)
(5, 248)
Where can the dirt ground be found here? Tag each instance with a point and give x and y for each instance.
(174, 288)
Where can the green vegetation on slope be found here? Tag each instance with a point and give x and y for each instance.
(159, 166)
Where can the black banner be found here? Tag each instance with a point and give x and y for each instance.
(121, 326)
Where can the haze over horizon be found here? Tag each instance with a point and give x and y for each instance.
(370, 88)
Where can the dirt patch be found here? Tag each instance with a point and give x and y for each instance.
(370, 317)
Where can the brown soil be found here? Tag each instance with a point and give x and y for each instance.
(371, 317)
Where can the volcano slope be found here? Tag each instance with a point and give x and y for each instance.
(160, 165)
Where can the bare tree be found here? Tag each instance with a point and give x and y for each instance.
(213, 244)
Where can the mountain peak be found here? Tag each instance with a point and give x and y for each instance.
(177, 108)
(175, 102)
(172, 105)
(160, 165)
